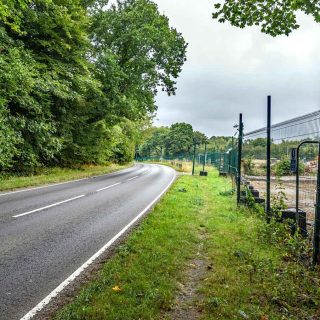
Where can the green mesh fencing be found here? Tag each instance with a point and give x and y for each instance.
(224, 161)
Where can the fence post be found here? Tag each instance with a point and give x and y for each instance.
(268, 205)
(194, 158)
(205, 155)
(316, 238)
(239, 157)
(230, 156)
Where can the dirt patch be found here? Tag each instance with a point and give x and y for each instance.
(188, 297)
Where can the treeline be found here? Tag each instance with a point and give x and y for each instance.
(178, 140)
(78, 79)
(256, 149)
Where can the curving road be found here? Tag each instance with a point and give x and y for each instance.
(47, 233)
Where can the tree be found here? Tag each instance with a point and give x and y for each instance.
(199, 138)
(275, 17)
(44, 78)
(220, 143)
(136, 53)
(154, 144)
(179, 139)
(78, 80)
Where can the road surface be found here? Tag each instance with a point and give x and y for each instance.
(47, 233)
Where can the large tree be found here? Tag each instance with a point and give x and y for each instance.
(179, 140)
(136, 54)
(44, 78)
(78, 79)
(275, 17)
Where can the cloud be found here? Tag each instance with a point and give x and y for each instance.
(231, 70)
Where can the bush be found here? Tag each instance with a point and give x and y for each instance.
(283, 167)
(248, 165)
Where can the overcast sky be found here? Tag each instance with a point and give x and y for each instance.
(231, 70)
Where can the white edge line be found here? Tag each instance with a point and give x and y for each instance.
(61, 183)
(47, 207)
(108, 187)
(66, 282)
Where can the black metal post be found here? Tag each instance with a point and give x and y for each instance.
(316, 238)
(239, 157)
(205, 155)
(194, 158)
(297, 185)
(230, 156)
(268, 200)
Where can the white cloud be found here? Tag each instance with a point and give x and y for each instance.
(231, 70)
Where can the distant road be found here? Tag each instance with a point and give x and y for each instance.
(47, 233)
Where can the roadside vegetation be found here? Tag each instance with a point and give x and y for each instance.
(197, 243)
(52, 175)
(177, 142)
(78, 80)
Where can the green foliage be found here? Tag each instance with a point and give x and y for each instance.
(242, 272)
(250, 200)
(275, 17)
(248, 165)
(78, 81)
(175, 141)
(278, 200)
(155, 143)
(179, 139)
(199, 138)
(220, 143)
(283, 167)
(136, 53)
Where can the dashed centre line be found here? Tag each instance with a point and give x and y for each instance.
(133, 178)
(47, 207)
(108, 187)
(68, 200)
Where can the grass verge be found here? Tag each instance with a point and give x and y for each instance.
(247, 275)
(56, 174)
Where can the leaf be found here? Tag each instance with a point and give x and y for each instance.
(116, 289)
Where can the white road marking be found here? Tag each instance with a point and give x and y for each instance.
(133, 178)
(108, 187)
(73, 276)
(47, 207)
(61, 183)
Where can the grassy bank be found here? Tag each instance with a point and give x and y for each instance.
(197, 243)
(56, 174)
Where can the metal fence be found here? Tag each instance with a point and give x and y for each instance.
(280, 163)
(285, 137)
(277, 164)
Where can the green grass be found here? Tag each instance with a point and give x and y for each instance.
(252, 276)
(56, 174)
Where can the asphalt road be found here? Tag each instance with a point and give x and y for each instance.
(47, 233)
